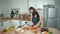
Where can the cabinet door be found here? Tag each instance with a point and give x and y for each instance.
(15, 22)
(6, 24)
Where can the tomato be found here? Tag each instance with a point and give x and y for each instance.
(35, 30)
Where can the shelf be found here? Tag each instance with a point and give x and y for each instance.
(6, 19)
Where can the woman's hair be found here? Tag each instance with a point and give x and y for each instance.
(35, 13)
(32, 8)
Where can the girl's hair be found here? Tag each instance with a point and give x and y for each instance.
(32, 8)
(35, 13)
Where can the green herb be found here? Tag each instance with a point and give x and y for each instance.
(46, 29)
(50, 32)
(19, 26)
(11, 27)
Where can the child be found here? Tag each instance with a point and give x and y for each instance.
(35, 19)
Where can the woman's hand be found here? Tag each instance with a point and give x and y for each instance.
(35, 26)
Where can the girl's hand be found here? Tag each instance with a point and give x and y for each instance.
(35, 26)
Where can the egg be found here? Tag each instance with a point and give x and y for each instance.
(22, 30)
(18, 29)
(44, 32)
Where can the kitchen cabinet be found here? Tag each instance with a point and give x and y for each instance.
(4, 24)
(0, 25)
(15, 22)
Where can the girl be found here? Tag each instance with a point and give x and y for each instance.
(35, 19)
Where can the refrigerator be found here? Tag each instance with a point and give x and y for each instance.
(50, 17)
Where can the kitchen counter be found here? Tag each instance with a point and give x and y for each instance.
(55, 31)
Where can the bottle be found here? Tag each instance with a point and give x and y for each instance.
(12, 14)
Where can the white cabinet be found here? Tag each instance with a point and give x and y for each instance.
(9, 23)
(0, 25)
(6, 24)
(15, 22)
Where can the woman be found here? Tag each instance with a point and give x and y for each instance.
(35, 19)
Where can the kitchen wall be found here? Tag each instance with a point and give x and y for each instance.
(57, 5)
(40, 3)
(0, 6)
(23, 5)
(8, 4)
